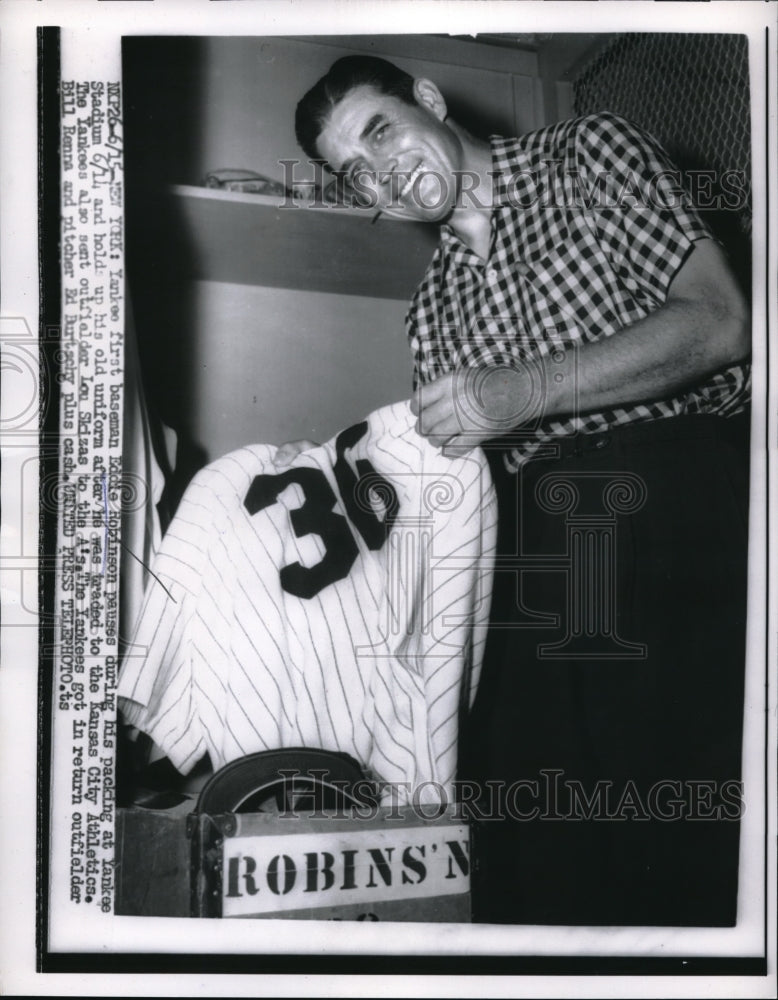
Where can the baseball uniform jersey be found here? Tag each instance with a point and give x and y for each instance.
(340, 603)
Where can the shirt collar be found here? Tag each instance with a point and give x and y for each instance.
(513, 179)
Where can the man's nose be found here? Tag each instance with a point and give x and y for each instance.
(389, 180)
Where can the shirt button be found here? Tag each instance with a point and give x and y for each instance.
(491, 273)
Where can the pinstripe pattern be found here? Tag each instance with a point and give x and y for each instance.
(372, 664)
(582, 246)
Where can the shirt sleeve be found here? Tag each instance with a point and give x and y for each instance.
(643, 217)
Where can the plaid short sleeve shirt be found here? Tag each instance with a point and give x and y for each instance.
(589, 227)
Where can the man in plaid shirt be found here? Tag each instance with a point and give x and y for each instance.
(580, 323)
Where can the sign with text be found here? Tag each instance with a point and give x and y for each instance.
(282, 872)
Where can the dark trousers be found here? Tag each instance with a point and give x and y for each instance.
(606, 733)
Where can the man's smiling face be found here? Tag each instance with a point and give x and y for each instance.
(403, 152)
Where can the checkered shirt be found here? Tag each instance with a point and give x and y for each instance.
(589, 227)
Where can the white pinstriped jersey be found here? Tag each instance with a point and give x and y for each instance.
(339, 604)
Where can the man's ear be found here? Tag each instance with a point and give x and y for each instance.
(428, 96)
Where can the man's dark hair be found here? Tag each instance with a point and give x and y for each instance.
(344, 75)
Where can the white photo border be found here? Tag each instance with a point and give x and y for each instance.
(170, 946)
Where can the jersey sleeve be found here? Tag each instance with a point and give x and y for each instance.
(644, 218)
(158, 683)
(156, 691)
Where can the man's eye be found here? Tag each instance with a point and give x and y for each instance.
(380, 133)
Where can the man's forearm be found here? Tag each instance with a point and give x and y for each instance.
(702, 327)
(679, 345)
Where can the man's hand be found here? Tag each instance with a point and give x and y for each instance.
(288, 452)
(460, 410)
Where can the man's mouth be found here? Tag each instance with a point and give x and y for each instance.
(408, 186)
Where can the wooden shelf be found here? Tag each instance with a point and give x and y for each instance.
(253, 239)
